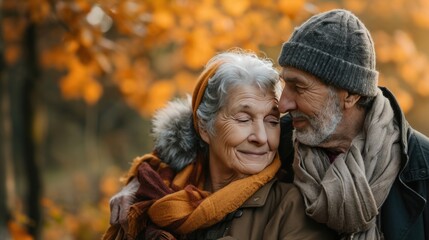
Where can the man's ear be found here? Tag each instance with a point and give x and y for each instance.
(204, 135)
(351, 99)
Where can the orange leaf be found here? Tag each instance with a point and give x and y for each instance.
(383, 46)
(109, 185)
(92, 92)
(409, 73)
(404, 46)
(236, 7)
(421, 17)
(356, 6)
(198, 50)
(423, 85)
(164, 19)
(185, 82)
(291, 7)
(128, 86)
(12, 53)
(206, 12)
(405, 100)
(159, 93)
(18, 232)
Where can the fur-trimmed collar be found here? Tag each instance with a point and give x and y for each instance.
(175, 139)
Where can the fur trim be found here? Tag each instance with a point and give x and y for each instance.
(175, 139)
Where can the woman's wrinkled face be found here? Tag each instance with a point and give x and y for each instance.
(247, 132)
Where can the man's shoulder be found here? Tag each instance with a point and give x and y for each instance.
(418, 145)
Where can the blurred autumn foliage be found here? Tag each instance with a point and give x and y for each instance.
(103, 60)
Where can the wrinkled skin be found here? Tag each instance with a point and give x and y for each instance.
(120, 203)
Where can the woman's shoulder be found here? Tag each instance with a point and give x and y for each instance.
(283, 190)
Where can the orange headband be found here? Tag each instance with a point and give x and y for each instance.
(199, 90)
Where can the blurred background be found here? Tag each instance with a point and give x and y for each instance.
(79, 81)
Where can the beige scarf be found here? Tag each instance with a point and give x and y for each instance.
(347, 194)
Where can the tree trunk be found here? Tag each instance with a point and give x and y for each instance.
(4, 149)
(31, 168)
(18, 79)
(4, 143)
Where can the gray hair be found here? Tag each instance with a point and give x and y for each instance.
(237, 68)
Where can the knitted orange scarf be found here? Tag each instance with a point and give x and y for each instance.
(176, 205)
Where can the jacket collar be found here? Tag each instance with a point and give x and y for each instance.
(412, 147)
(259, 198)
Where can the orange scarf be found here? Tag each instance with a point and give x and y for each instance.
(197, 209)
(179, 204)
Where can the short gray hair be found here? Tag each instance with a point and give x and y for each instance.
(237, 68)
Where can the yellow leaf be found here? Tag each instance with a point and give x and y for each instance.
(223, 24)
(383, 46)
(423, 85)
(421, 17)
(408, 73)
(235, 7)
(121, 60)
(206, 12)
(284, 27)
(109, 185)
(325, 6)
(185, 82)
(291, 7)
(157, 96)
(198, 49)
(356, 6)
(404, 47)
(405, 100)
(128, 86)
(164, 19)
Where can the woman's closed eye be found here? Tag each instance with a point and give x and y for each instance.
(274, 121)
(242, 119)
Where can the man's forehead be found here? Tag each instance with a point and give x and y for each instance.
(291, 74)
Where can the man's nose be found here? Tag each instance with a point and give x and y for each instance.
(287, 101)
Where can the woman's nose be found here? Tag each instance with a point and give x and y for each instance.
(259, 133)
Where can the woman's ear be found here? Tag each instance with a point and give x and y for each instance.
(204, 135)
(351, 99)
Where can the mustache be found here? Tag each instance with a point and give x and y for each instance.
(296, 114)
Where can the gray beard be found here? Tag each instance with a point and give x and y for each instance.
(322, 125)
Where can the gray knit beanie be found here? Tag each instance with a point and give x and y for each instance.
(336, 47)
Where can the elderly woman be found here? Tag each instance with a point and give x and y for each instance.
(212, 171)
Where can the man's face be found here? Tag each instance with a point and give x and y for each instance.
(314, 107)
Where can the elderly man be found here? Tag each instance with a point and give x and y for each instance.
(360, 167)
